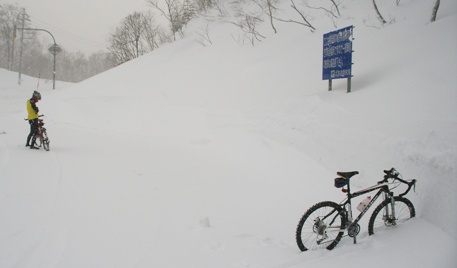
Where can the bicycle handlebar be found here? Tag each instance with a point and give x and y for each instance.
(410, 184)
(40, 115)
(393, 174)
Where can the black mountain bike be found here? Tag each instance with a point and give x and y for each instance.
(325, 223)
(40, 138)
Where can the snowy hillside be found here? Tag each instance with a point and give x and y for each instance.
(207, 156)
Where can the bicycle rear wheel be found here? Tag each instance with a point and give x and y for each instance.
(45, 140)
(382, 217)
(322, 226)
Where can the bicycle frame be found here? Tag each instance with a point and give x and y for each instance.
(382, 188)
(39, 130)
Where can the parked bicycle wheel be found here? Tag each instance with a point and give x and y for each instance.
(45, 140)
(382, 218)
(322, 226)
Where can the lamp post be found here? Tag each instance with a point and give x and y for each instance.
(54, 49)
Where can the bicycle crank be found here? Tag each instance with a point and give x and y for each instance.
(353, 229)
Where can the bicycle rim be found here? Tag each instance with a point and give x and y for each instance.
(322, 226)
(382, 218)
(45, 141)
(46, 145)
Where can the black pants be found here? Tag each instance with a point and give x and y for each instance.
(33, 129)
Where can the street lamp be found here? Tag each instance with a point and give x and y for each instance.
(54, 49)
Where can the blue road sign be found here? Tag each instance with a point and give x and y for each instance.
(337, 54)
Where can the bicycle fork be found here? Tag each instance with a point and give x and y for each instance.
(389, 216)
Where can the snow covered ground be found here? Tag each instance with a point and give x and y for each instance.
(197, 156)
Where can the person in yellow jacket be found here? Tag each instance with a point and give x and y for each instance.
(32, 111)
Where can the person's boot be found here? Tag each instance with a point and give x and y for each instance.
(32, 145)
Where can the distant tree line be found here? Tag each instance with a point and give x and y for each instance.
(140, 32)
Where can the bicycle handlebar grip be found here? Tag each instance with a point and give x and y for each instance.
(410, 184)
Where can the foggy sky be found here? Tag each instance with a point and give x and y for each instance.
(79, 25)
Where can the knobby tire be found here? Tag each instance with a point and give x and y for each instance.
(45, 140)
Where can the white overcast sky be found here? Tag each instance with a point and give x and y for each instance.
(79, 25)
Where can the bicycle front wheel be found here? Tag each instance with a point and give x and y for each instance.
(383, 218)
(45, 140)
(322, 226)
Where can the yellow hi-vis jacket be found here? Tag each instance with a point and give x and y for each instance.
(32, 110)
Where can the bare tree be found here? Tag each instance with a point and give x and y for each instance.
(139, 33)
(333, 12)
(136, 36)
(247, 20)
(268, 7)
(204, 37)
(8, 18)
(189, 12)
(204, 5)
(381, 19)
(174, 12)
(221, 9)
(248, 24)
(336, 6)
(305, 22)
(435, 10)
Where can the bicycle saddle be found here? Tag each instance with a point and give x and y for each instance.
(347, 175)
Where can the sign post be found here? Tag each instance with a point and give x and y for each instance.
(54, 49)
(337, 56)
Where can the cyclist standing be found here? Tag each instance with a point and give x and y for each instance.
(32, 111)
